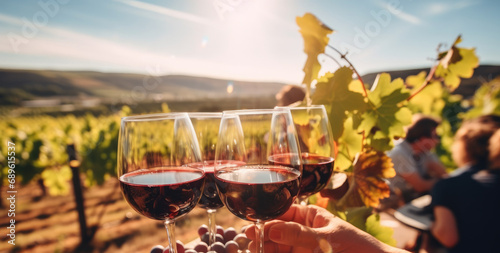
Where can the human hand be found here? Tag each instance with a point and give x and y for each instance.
(437, 169)
(308, 229)
(298, 230)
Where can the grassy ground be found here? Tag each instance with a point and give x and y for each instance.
(50, 224)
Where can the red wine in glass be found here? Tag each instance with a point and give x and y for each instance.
(258, 192)
(164, 192)
(210, 197)
(316, 173)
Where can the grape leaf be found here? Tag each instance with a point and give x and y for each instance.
(336, 92)
(456, 63)
(429, 100)
(370, 170)
(349, 144)
(486, 100)
(379, 142)
(382, 233)
(385, 113)
(364, 219)
(416, 81)
(451, 55)
(357, 216)
(315, 35)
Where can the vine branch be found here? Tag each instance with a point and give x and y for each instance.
(426, 82)
(343, 56)
(335, 60)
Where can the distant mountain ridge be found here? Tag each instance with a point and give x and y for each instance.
(21, 85)
(17, 86)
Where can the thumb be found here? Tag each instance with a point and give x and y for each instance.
(293, 234)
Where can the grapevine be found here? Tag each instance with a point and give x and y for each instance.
(41, 148)
(366, 122)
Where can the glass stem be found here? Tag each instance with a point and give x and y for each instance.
(259, 235)
(212, 230)
(302, 200)
(170, 226)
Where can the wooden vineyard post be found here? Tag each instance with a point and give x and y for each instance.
(74, 164)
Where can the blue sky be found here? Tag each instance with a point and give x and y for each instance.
(237, 39)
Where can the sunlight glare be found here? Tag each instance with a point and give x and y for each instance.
(204, 42)
(247, 23)
(230, 87)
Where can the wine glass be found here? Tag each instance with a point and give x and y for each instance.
(154, 152)
(206, 126)
(317, 146)
(252, 187)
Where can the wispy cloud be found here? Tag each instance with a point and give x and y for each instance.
(166, 11)
(50, 41)
(399, 11)
(440, 8)
(407, 17)
(10, 20)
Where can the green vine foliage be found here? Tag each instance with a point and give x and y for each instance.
(486, 100)
(41, 149)
(367, 119)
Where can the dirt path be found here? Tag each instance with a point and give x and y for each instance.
(50, 224)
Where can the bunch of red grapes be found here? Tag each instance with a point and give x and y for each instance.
(227, 241)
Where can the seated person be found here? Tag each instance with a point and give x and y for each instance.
(470, 148)
(417, 169)
(466, 206)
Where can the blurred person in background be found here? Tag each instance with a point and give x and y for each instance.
(466, 205)
(290, 95)
(417, 168)
(470, 148)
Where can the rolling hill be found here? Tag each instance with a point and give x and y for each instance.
(17, 86)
